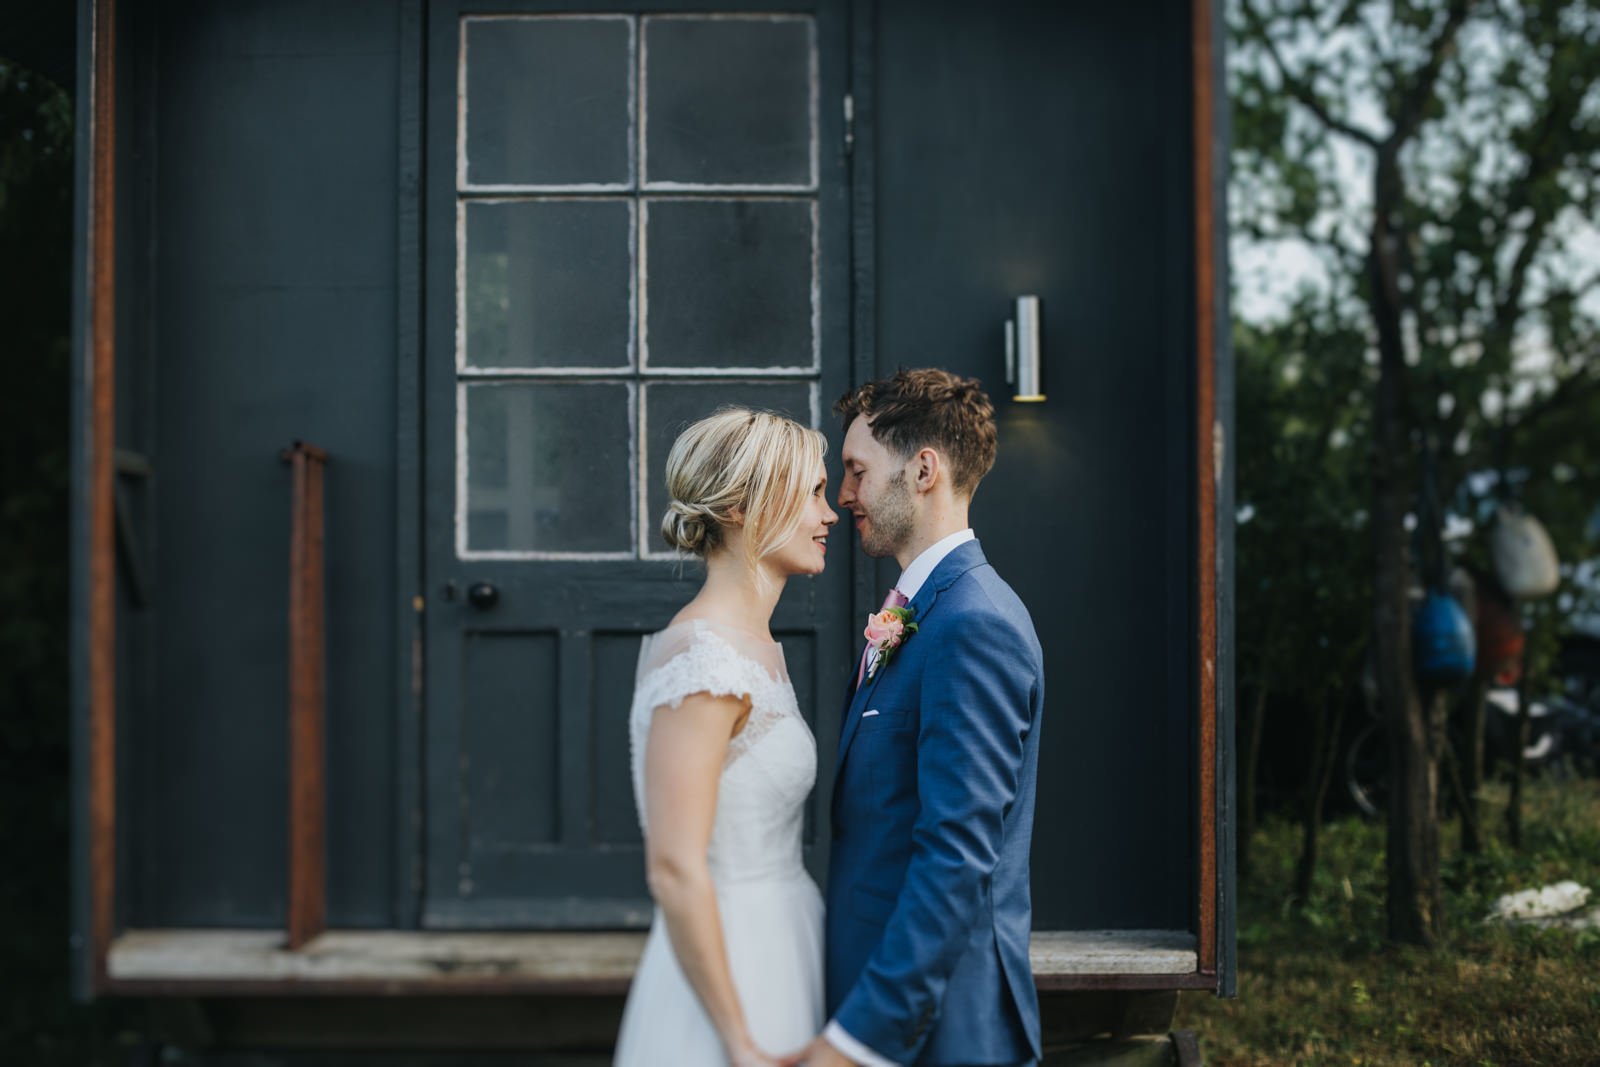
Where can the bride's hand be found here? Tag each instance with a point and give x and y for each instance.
(820, 1052)
(748, 1055)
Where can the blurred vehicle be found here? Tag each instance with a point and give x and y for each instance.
(1561, 731)
(1563, 737)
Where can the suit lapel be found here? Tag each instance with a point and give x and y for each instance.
(960, 560)
(852, 715)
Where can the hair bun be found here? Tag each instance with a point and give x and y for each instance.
(686, 527)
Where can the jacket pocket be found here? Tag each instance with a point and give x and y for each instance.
(886, 719)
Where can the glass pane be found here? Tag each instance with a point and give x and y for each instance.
(672, 406)
(548, 101)
(728, 101)
(730, 283)
(549, 283)
(548, 468)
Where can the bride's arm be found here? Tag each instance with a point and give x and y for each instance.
(683, 762)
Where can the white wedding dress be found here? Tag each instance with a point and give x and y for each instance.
(771, 910)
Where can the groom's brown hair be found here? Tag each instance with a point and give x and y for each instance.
(929, 408)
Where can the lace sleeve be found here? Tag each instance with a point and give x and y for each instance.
(705, 665)
(684, 660)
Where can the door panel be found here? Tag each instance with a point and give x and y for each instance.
(635, 216)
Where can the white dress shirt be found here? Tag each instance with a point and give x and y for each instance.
(910, 583)
(912, 577)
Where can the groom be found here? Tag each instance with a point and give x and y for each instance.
(928, 907)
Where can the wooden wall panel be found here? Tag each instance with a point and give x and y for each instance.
(1064, 172)
(269, 229)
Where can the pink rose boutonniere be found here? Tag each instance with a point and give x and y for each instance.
(886, 631)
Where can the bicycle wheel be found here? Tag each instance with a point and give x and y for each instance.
(1366, 770)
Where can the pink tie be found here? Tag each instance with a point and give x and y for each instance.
(895, 599)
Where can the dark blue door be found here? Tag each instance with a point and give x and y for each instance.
(633, 217)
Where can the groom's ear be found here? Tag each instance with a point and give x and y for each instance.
(927, 468)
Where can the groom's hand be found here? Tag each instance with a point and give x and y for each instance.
(818, 1054)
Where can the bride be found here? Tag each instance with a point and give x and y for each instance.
(723, 762)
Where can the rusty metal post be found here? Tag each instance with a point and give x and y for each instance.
(307, 698)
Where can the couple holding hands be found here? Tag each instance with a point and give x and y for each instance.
(921, 955)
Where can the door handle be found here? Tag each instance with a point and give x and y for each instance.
(483, 596)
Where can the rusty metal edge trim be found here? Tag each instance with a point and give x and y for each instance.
(1206, 502)
(97, 438)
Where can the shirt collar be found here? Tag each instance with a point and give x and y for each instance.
(912, 577)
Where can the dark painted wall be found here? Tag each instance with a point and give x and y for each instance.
(1044, 149)
(1035, 149)
(267, 184)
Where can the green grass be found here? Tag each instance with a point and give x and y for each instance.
(1320, 986)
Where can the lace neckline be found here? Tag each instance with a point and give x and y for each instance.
(713, 624)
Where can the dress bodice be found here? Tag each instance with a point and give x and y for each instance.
(772, 761)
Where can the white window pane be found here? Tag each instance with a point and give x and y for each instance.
(549, 101)
(548, 467)
(671, 406)
(549, 283)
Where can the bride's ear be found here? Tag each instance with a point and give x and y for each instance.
(736, 517)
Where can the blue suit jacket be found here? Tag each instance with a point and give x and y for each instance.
(928, 905)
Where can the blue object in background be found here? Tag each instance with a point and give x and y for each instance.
(1443, 648)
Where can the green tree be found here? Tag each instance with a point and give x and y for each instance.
(1303, 438)
(1440, 159)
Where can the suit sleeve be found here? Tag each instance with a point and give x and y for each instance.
(976, 699)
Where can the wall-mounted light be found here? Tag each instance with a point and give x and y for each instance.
(1024, 364)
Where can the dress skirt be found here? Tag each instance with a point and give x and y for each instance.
(773, 930)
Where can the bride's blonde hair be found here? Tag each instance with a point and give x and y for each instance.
(755, 462)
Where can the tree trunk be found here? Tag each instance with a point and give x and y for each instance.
(1413, 832)
(1413, 838)
(1471, 765)
(1518, 746)
(1324, 757)
(1252, 760)
(1471, 838)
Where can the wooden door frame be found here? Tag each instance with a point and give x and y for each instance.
(437, 171)
(409, 875)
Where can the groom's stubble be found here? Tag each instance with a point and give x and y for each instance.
(891, 519)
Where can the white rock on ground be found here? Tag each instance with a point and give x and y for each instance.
(1560, 904)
